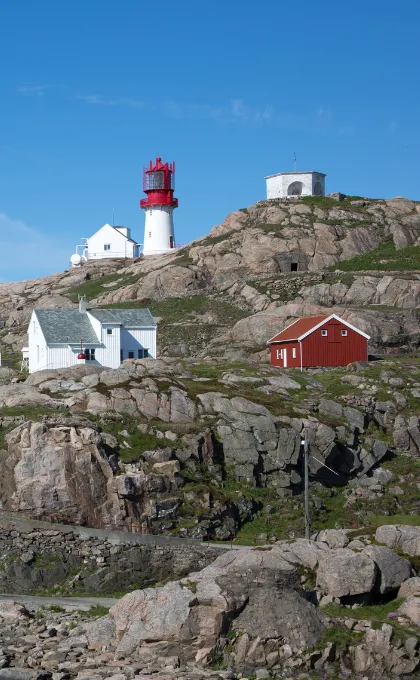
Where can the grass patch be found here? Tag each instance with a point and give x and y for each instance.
(95, 287)
(176, 310)
(371, 612)
(138, 441)
(383, 258)
(96, 611)
(32, 412)
(341, 636)
(380, 520)
(183, 260)
(55, 608)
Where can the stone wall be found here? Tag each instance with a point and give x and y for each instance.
(35, 556)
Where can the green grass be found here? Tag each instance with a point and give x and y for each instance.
(95, 287)
(175, 310)
(376, 613)
(138, 441)
(371, 612)
(341, 636)
(96, 610)
(32, 412)
(383, 258)
(379, 521)
(183, 259)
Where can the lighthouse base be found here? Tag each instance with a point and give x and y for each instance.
(159, 237)
(146, 253)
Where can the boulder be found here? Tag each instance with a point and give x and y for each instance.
(410, 588)
(393, 570)
(13, 611)
(308, 552)
(334, 538)
(193, 613)
(342, 573)
(404, 537)
(410, 609)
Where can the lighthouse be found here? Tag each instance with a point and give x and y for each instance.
(159, 185)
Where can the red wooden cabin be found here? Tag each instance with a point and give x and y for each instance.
(318, 341)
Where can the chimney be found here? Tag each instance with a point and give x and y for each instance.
(82, 303)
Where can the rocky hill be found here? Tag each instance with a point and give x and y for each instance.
(205, 443)
(229, 292)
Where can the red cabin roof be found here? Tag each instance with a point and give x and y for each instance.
(302, 327)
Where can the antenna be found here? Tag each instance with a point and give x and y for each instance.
(305, 443)
(294, 161)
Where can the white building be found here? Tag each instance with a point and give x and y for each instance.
(290, 184)
(107, 242)
(103, 337)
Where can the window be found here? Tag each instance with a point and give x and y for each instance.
(121, 355)
(90, 354)
(279, 354)
(344, 332)
(107, 246)
(142, 353)
(324, 333)
(294, 352)
(130, 354)
(153, 180)
(109, 331)
(293, 266)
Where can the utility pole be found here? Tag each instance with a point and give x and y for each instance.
(305, 442)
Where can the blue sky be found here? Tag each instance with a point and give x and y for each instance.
(91, 90)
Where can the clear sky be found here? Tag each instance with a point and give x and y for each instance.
(91, 90)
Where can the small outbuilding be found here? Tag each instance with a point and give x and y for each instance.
(295, 184)
(318, 341)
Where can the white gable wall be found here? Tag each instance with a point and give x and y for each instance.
(37, 345)
(43, 356)
(119, 244)
(133, 339)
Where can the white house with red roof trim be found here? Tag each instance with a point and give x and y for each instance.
(319, 341)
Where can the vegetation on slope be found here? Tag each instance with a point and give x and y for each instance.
(383, 258)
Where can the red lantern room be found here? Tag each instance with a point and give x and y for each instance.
(159, 185)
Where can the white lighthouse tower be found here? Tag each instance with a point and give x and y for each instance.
(159, 185)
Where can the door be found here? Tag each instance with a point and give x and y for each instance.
(285, 358)
(334, 343)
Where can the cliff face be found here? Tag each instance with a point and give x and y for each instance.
(196, 448)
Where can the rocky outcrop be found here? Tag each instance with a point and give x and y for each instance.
(172, 429)
(189, 617)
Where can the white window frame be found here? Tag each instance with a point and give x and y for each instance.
(324, 333)
(294, 352)
(344, 332)
(107, 246)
